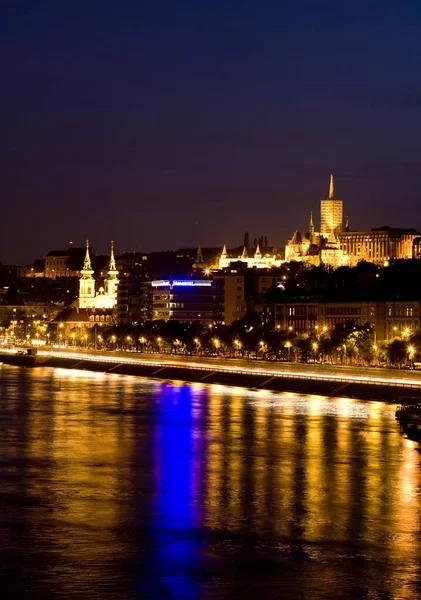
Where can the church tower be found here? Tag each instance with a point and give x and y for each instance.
(311, 228)
(199, 256)
(223, 259)
(112, 281)
(331, 212)
(87, 282)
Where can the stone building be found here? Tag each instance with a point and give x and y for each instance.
(337, 246)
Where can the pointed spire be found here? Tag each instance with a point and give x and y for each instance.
(332, 238)
(112, 280)
(87, 264)
(244, 254)
(112, 259)
(257, 254)
(331, 189)
(199, 256)
(347, 224)
(311, 228)
(224, 251)
(311, 225)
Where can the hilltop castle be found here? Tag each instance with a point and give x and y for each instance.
(334, 244)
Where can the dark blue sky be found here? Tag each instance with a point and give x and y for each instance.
(171, 123)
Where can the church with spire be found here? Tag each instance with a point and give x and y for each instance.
(333, 244)
(338, 246)
(323, 246)
(96, 300)
(105, 297)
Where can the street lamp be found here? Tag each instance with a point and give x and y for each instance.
(59, 334)
(315, 346)
(142, 341)
(216, 344)
(113, 338)
(288, 345)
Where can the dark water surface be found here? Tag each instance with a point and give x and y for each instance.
(115, 487)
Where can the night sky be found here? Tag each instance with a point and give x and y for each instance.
(170, 123)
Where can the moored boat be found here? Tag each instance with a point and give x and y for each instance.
(409, 417)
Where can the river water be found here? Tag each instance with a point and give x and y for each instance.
(117, 487)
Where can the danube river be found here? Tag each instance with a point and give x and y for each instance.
(116, 487)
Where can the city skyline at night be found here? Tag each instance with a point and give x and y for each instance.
(173, 126)
(210, 299)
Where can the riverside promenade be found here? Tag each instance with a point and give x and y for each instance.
(369, 383)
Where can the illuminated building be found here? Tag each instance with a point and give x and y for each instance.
(389, 319)
(334, 247)
(233, 288)
(220, 300)
(74, 318)
(106, 296)
(186, 300)
(330, 213)
(332, 254)
(378, 245)
(23, 312)
(257, 261)
(402, 318)
(62, 263)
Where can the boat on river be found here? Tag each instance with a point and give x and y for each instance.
(409, 417)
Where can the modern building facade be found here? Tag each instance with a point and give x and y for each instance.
(134, 302)
(209, 301)
(186, 300)
(232, 290)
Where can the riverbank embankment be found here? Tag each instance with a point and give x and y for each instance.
(254, 377)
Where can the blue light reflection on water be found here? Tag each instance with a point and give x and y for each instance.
(176, 549)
